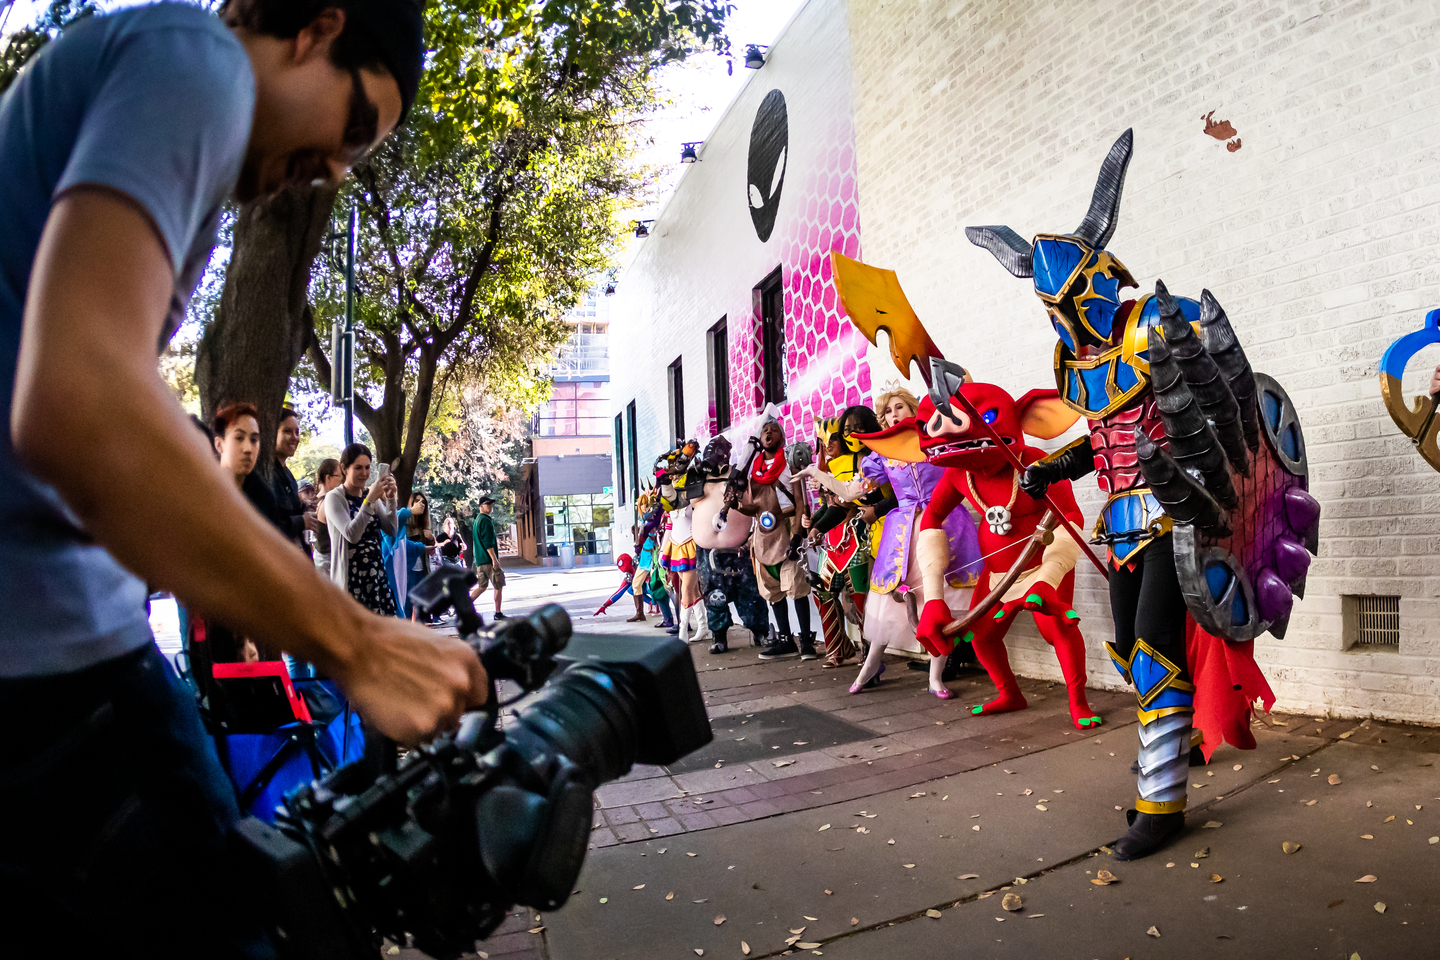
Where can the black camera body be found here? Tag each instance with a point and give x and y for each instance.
(436, 853)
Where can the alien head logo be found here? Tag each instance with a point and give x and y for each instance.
(769, 146)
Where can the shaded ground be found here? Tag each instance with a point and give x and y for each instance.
(904, 842)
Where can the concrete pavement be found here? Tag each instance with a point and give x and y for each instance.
(901, 827)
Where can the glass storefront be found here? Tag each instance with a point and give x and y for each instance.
(582, 519)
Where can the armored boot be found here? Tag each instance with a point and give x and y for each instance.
(1167, 706)
(721, 645)
(807, 646)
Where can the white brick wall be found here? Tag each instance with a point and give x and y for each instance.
(1319, 236)
(703, 256)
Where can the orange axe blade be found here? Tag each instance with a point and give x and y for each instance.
(874, 301)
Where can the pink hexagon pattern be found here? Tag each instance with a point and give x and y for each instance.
(826, 369)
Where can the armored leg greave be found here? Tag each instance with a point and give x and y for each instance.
(1167, 706)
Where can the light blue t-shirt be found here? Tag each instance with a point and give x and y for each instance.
(155, 102)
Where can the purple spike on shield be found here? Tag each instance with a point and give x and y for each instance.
(1240, 586)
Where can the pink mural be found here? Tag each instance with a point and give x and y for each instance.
(825, 355)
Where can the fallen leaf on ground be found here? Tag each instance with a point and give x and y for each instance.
(1041, 807)
(826, 827)
(1369, 803)
(891, 841)
(783, 763)
(812, 918)
(745, 948)
(1375, 768)
(1435, 839)
(1237, 766)
(1368, 878)
(638, 886)
(1367, 836)
(536, 929)
(1289, 847)
(699, 952)
(1276, 780)
(720, 919)
(1347, 734)
(1202, 853)
(801, 743)
(808, 946)
(1388, 819)
(1212, 825)
(1153, 932)
(1379, 907)
(914, 796)
(1026, 792)
(908, 866)
(797, 930)
(1335, 903)
(854, 921)
(692, 854)
(1011, 902)
(604, 899)
(1010, 771)
(976, 827)
(968, 876)
(1103, 878)
(829, 892)
(934, 914)
(670, 895)
(1333, 779)
(1216, 878)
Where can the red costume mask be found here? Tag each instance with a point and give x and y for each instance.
(932, 435)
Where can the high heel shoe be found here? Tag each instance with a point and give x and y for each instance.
(870, 684)
(943, 693)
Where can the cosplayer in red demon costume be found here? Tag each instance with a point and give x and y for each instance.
(1016, 574)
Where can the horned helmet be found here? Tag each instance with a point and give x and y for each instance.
(1076, 278)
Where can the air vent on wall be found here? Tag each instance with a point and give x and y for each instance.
(1372, 622)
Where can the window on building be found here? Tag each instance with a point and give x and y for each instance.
(620, 458)
(769, 299)
(577, 408)
(580, 519)
(717, 351)
(675, 377)
(633, 450)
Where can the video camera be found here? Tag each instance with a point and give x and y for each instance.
(436, 853)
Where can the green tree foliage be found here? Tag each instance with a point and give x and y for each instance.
(23, 44)
(496, 206)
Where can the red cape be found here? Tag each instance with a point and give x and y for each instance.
(1227, 681)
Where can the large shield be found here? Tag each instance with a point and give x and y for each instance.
(1244, 584)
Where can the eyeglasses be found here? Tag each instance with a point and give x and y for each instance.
(362, 126)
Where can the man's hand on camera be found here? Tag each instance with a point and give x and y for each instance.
(411, 683)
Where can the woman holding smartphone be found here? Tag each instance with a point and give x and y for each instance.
(356, 519)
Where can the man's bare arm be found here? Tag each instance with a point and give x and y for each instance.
(93, 418)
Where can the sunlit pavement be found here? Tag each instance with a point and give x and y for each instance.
(899, 829)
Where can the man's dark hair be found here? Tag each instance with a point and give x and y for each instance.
(383, 35)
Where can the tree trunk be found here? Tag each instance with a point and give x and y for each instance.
(260, 330)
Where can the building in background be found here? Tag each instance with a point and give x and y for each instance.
(1285, 161)
(564, 506)
(729, 307)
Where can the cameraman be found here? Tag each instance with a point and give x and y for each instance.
(118, 145)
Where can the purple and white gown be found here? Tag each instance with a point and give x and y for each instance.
(896, 571)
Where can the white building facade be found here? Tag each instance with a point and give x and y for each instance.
(1287, 158)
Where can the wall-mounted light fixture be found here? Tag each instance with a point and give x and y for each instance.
(687, 152)
(642, 229)
(755, 55)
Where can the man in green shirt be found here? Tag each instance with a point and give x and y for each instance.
(487, 559)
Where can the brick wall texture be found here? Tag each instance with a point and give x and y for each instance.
(1320, 235)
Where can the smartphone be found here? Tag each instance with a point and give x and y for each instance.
(382, 470)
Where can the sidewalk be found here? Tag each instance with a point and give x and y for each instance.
(890, 824)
